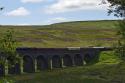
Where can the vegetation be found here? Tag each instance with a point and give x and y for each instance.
(118, 9)
(8, 47)
(70, 34)
(6, 81)
(1, 8)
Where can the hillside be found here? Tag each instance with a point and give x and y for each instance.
(109, 69)
(69, 34)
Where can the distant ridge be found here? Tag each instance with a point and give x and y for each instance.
(60, 23)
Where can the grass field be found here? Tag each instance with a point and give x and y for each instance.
(70, 34)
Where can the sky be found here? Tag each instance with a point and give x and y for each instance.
(44, 12)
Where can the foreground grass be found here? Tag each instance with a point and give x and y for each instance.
(109, 69)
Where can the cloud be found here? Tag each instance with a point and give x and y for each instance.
(57, 20)
(23, 24)
(73, 5)
(60, 19)
(21, 11)
(31, 1)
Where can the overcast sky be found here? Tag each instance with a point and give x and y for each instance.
(40, 12)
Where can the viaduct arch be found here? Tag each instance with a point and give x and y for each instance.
(41, 63)
(56, 61)
(78, 61)
(67, 61)
(28, 64)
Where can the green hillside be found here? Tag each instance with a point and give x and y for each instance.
(109, 69)
(70, 34)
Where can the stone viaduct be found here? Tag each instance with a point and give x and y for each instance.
(38, 59)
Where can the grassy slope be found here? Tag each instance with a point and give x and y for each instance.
(71, 34)
(107, 70)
